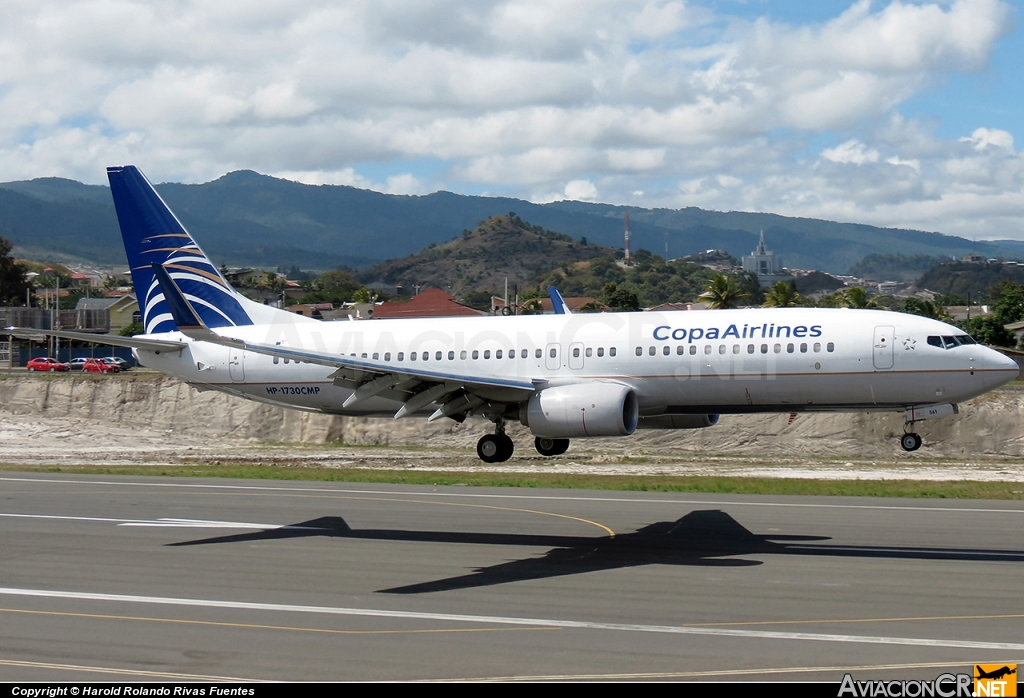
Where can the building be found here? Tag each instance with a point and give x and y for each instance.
(430, 303)
(766, 265)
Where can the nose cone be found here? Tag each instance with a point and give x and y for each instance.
(998, 368)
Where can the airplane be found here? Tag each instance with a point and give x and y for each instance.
(563, 376)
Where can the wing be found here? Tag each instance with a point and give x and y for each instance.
(457, 395)
(108, 339)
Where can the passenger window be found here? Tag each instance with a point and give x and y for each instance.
(590, 352)
(817, 347)
(750, 348)
(693, 350)
(376, 356)
(735, 348)
(611, 351)
(764, 348)
(778, 348)
(600, 351)
(487, 353)
(651, 350)
(831, 346)
(412, 356)
(437, 356)
(476, 354)
(276, 359)
(666, 350)
(721, 348)
(575, 353)
(639, 351)
(803, 347)
(552, 353)
(401, 356)
(497, 354)
(512, 353)
(789, 348)
(538, 353)
(524, 354)
(462, 354)
(680, 350)
(451, 356)
(364, 356)
(425, 356)
(707, 348)
(387, 356)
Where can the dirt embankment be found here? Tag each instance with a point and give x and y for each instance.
(81, 415)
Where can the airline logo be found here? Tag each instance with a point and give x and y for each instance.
(995, 680)
(745, 331)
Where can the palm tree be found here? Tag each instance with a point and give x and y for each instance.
(722, 292)
(783, 295)
(857, 297)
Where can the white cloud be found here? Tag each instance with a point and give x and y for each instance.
(539, 98)
(985, 137)
(852, 152)
(580, 190)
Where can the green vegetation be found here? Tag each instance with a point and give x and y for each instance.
(895, 267)
(974, 278)
(636, 483)
(13, 286)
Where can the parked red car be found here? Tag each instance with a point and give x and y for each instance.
(45, 363)
(98, 366)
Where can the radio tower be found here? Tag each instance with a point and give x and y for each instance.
(627, 261)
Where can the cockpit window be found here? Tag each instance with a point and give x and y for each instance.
(949, 342)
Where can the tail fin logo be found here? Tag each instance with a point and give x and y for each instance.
(153, 235)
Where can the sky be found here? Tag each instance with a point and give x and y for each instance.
(898, 114)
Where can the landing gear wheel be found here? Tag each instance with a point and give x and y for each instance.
(910, 442)
(494, 448)
(550, 447)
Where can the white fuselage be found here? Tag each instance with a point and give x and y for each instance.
(724, 361)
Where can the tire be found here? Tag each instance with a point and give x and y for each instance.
(52, 369)
(910, 442)
(550, 447)
(489, 448)
(31, 369)
(507, 448)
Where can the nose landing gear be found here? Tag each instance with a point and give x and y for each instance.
(910, 441)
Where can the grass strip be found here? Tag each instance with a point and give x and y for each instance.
(928, 489)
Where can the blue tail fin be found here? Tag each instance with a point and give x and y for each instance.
(152, 235)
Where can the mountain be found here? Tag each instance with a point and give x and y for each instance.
(501, 247)
(245, 218)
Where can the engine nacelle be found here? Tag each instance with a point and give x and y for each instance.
(585, 409)
(678, 421)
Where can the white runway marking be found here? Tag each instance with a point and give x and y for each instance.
(502, 620)
(161, 523)
(510, 495)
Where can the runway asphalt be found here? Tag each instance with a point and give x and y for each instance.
(106, 578)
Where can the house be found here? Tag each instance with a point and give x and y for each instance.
(430, 303)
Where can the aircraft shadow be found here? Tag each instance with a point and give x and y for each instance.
(706, 538)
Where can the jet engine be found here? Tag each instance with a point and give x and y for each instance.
(678, 421)
(584, 409)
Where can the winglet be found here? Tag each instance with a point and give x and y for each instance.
(557, 303)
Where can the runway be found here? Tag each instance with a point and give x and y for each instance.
(127, 579)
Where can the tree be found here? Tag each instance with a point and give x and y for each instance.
(856, 297)
(13, 285)
(783, 295)
(917, 306)
(619, 299)
(722, 292)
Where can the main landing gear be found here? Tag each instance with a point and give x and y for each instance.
(496, 447)
(910, 441)
(550, 447)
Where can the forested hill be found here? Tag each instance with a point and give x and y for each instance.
(245, 218)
